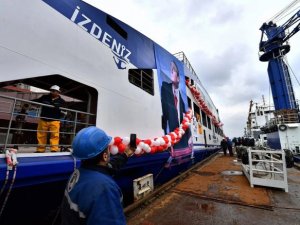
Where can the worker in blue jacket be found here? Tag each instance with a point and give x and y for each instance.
(229, 146)
(92, 197)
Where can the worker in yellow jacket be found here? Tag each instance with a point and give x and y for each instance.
(49, 119)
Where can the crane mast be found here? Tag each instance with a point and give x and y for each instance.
(279, 128)
(273, 51)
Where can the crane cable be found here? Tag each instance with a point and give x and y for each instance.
(280, 14)
(288, 14)
(290, 68)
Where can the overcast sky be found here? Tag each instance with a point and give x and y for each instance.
(220, 38)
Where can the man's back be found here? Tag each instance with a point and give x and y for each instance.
(93, 198)
(223, 144)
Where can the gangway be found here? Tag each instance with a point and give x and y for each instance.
(266, 168)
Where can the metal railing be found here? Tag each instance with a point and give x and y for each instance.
(19, 119)
(266, 168)
(286, 116)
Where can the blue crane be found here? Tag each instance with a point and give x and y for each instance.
(273, 47)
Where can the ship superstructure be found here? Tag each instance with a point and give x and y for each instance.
(110, 76)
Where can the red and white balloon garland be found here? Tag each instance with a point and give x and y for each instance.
(201, 103)
(159, 144)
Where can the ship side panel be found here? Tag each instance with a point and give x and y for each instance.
(66, 47)
(273, 140)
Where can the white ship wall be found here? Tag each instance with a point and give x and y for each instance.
(40, 41)
(290, 138)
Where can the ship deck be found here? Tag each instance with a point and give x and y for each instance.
(208, 196)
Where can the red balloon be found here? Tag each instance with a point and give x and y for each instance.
(121, 147)
(185, 126)
(153, 149)
(117, 140)
(164, 147)
(148, 141)
(160, 148)
(166, 139)
(172, 136)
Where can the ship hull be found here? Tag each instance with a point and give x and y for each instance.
(38, 189)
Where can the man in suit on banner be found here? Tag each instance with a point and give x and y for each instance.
(173, 107)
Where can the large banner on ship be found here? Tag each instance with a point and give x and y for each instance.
(173, 98)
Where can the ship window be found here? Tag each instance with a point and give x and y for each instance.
(189, 102)
(204, 118)
(197, 113)
(208, 123)
(111, 22)
(142, 78)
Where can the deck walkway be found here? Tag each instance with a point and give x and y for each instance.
(207, 196)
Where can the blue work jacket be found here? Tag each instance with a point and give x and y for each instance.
(92, 197)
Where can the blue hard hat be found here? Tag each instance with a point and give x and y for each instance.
(90, 142)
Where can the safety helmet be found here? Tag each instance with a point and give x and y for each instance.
(90, 142)
(55, 87)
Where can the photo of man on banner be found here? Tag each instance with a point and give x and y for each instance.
(173, 99)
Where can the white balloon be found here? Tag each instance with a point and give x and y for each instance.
(169, 137)
(147, 148)
(126, 140)
(114, 149)
(161, 141)
(141, 145)
(138, 150)
(175, 135)
(156, 142)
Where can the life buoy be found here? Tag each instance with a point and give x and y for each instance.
(282, 127)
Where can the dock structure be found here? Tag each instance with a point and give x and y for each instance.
(218, 192)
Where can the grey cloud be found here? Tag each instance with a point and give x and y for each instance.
(227, 14)
(219, 69)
